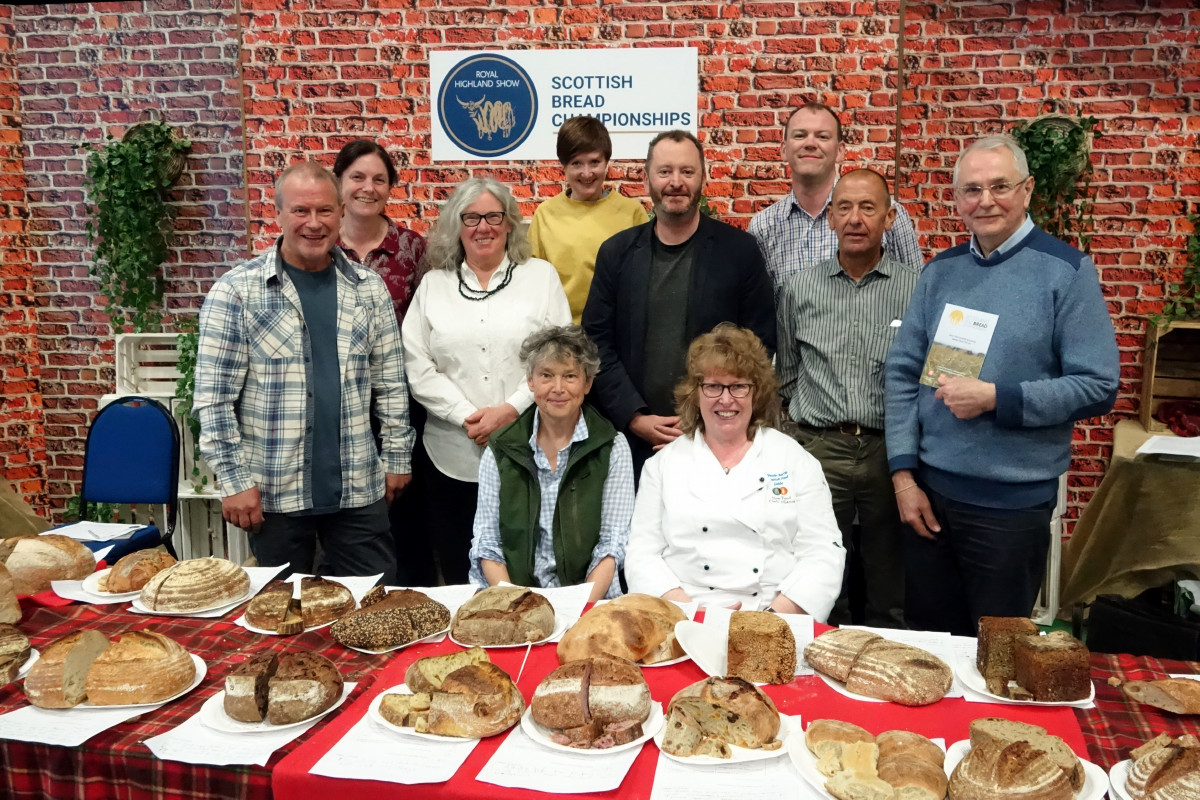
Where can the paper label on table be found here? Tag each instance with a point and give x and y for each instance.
(557, 772)
(370, 752)
(774, 778)
(259, 577)
(959, 345)
(1187, 446)
(96, 531)
(63, 727)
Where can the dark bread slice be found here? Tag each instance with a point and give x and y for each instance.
(246, 688)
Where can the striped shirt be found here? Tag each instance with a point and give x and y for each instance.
(616, 510)
(834, 335)
(792, 240)
(253, 379)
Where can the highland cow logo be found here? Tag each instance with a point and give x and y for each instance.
(487, 105)
(491, 117)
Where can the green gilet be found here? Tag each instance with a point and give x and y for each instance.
(576, 527)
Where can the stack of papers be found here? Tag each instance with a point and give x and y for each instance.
(96, 531)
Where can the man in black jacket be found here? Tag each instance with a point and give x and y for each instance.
(660, 285)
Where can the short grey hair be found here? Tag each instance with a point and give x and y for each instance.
(561, 343)
(997, 142)
(445, 248)
(309, 169)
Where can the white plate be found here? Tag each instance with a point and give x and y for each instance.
(738, 755)
(137, 604)
(397, 647)
(1118, 776)
(541, 734)
(673, 661)
(91, 584)
(841, 689)
(29, 662)
(561, 624)
(212, 714)
(266, 632)
(806, 763)
(373, 713)
(1095, 782)
(969, 673)
(201, 671)
(708, 646)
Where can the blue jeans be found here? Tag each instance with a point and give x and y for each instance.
(354, 541)
(985, 562)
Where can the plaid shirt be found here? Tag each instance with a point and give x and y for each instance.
(254, 378)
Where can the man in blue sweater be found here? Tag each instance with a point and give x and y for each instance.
(1007, 341)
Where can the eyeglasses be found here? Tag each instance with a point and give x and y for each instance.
(999, 190)
(715, 390)
(472, 220)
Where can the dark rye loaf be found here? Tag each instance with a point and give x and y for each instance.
(246, 688)
(304, 685)
(394, 619)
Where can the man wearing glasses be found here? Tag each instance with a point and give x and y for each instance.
(1006, 343)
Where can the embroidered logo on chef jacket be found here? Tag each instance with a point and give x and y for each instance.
(779, 490)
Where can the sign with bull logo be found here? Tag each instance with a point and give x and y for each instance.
(509, 105)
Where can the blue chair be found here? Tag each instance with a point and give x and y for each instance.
(132, 456)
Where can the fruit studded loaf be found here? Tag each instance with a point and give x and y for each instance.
(195, 585)
(1177, 695)
(35, 561)
(834, 652)
(501, 615)
(615, 630)
(133, 571)
(323, 600)
(994, 730)
(592, 703)
(140, 667)
(900, 673)
(475, 701)
(10, 608)
(427, 674)
(58, 678)
(392, 620)
(246, 688)
(761, 648)
(1166, 771)
(993, 771)
(304, 685)
(728, 710)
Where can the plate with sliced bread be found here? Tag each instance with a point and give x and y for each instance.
(1118, 778)
(737, 755)
(95, 583)
(841, 759)
(375, 712)
(197, 679)
(543, 735)
(1095, 781)
(212, 714)
(968, 672)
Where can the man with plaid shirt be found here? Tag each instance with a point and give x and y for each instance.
(295, 345)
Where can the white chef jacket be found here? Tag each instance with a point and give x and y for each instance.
(462, 355)
(764, 529)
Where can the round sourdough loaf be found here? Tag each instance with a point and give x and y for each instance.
(1166, 770)
(141, 667)
(323, 600)
(595, 702)
(304, 685)
(993, 771)
(131, 572)
(391, 619)
(195, 585)
(35, 561)
(246, 688)
(636, 627)
(501, 615)
(10, 607)
(475, 701)
(58, 678)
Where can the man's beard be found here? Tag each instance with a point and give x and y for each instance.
(660, 210)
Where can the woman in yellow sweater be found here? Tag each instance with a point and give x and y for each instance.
(569, 228)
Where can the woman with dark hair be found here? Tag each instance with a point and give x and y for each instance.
(568, 229)
(733, 512)
(481, 296)
(369, 236)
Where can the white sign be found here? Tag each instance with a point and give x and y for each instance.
(509, 104)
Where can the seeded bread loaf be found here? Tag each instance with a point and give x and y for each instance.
(10, 607)
(835, 651)
(993, 771)
(636, 627)
(194, 585)
(246, 688)
(140, 667)
(1177, 695)
(502, 615)
(997, 731)
(761, 648)
(323, 600)
(391, 619)
(133, 571)
(34, 561)
(728, 710)
(59, 678)
(427, 674)
(900, 673)
(304, 685)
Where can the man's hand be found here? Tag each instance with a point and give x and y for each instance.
(966, 398)
(243, 509)
(394, 484)
(658, 431)
(486, 421)
(913, 505)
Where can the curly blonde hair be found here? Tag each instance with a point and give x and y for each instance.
(739, 352)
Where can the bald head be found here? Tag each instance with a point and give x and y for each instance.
(867, 177)
(860, 212)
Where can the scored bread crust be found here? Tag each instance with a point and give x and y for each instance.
(908, 743)
(131, 572)
(502, 615)
(597, 692)
(323, 600)
(665, 614)
(475, 701)
(1170, 771)
(834, 652)
(58, 678)
(140, 667)
(991, 771)
(913, 776)
(195, 584)
(427, 674)
(999, 731)
(34, 561)
(900, 673)
(611, 630)
(269, 608)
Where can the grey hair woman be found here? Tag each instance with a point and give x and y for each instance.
(446, 248)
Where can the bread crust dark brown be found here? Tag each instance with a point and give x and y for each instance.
(398, 618)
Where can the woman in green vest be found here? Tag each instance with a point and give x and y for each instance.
(556, 486)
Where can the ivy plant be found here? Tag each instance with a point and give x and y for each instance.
(127, 182)
(187, 342)
(1057, 150)
(1183, 298)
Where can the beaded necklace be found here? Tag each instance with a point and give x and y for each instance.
(483, 294)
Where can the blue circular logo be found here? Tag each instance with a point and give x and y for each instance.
(487, 105)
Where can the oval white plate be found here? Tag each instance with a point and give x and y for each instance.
(373, 713)
(91, 584)
(973, 680)
(266, 632)
(561, 624)
(201, 671)
(541, 734)
(29, 662)
(672, 662)
(1118, 776)
(137, 603)
(212, 714)
(841, 689)
(738, 755)
(397, 647)
(1095, 782)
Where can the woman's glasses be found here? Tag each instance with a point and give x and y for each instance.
(715, 390)
(472, 220)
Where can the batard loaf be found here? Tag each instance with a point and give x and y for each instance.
(304, 685)
(140, 667)
(596, 702)
(827, 738)
(10, 607)
(35, 561)
(59, 678)
(391, 619)
(726, 710)
(834, 652)
(900, 673)
(1177, 695)
(501, 615)
(195, 584)
(133, 571)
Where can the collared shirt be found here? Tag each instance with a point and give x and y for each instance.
(254, 377)
(616, 509)
(834, 334)
(1007, 244)
(792, 240)
(395, 260)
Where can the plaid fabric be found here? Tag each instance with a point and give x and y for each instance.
(396, 260)
(115, 765)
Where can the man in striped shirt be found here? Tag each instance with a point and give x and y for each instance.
(836, 322)
(794, 233)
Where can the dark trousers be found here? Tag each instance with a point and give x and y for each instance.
(410, 536)
(354, 541)
(449, 520)
(860, 483)
(985, 562)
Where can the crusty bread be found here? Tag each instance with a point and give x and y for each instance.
(835, 651)
(991, 771)
(683, 732)
(194, 585)
(406, 710)
(860, 765)
(269, 608)
(13, 643)
(993, 648)
(900, 673)
(58, 679)
(728, 710)
(34, 561)
(1166, 770)
(913, 777)
(394, 619)
(1177, 695)
(132, 571)
(304, 685)
(998, 731)
(594, 702)
(10, 607)
(893, 743)
(613, 630)
(761, 648)
(323, 600)
(140, 667)
(475, 701)
(427, 674)
(246, 688)
(1055, 667)
(500, 615)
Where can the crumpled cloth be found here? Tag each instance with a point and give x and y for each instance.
(1181, 416)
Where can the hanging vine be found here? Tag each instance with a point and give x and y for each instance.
(1058, 148)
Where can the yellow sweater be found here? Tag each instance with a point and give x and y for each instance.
(568, 233)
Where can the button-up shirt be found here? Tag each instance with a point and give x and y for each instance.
(834, 334)
(254, 381)
(396, 260)
(616, 509)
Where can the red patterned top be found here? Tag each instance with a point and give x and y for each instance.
(395, 260)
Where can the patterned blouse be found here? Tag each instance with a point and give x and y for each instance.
(395, 260)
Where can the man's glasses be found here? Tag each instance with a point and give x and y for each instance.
(715, 390)
(999, 190)
(472, 220)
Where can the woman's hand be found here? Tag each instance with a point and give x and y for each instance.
(486, 421)
(678, 595)
(783, 605)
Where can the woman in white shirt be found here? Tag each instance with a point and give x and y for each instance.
(734, 513)
(462, 334)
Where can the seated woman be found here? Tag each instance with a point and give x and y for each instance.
(734, 513)
(556, 486)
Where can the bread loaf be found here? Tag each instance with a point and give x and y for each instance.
(728, 710)
(14, 651)
(896, 764)
(1053, 668)
(900, 673)
(59, 678)
(1166, 771)
(858, 778)
(131, 572)
(323, 600)
(991, 771)
(913, 777)
(427, 674)
(592, 703)
(835, 651)
(269, 608)
(997, 731)
(304, 685)
(633, 629)
(761, 648)
(140, 667)
(10, 607)
(34, 561)
(503, 615)
(246, 688)
(196, 584)
(1177, 695)
(827, 738)
(475, 701)
(393, 619)
(893, 743)
(994, 649)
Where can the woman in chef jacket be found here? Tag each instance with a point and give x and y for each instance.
(734, 513)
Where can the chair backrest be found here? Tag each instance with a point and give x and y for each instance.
(132, 456)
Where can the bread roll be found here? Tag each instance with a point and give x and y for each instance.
(246, 688)
(140, 667)
(10, 607)
(900, 673)
(35, 561)
(834, 652)
(991, 771)
(59, 678)
(729, 710)
(502, 615)
(1177, 695)
(304, 685)
(475, 701)
(427, 674)
(194, 585)
(391, 619)
(131, 572)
